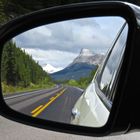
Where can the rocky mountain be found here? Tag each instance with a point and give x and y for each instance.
(51, 69)
(75, 71)
(86, 56)
(81, 66)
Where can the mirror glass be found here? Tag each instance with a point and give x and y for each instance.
(65, 71)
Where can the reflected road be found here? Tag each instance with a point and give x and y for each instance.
(54, 104)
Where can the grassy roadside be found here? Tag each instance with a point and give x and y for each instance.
(8, 89)
(82, 82)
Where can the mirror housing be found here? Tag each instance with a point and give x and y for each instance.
(119, 120)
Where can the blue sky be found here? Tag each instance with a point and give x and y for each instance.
(59, 43)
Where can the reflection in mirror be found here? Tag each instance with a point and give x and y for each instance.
(65, 71)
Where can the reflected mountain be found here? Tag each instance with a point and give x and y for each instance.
(81, 66)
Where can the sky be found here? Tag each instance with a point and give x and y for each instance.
(59, 43)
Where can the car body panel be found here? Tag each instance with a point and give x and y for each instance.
(92, 111)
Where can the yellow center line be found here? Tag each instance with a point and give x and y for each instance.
(36, 109)
(47, 104)
(52, 98)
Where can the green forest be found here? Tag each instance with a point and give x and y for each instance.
(19, 72)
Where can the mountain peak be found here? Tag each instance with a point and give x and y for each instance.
(86, 52)
(87, 56)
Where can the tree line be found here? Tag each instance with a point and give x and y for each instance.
(19, 69)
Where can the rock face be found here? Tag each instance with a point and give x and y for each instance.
(81, 66)
(86, 56)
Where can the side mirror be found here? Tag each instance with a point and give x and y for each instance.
(63, 68)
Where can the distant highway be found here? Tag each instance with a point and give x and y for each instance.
(52, 104)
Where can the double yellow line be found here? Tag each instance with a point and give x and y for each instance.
(40, 108)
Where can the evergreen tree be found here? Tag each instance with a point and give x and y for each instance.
(8, 64)
(19, 68)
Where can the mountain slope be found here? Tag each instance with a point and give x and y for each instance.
(86, 56)
(81, 66)
(75, 71)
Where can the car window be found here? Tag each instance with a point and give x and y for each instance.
(112, 65)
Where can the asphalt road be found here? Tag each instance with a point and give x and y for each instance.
(54, 104)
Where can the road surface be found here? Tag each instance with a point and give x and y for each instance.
(54, 104)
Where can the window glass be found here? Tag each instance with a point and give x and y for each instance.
(112, 64)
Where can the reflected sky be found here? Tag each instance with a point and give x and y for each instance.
(59, 43)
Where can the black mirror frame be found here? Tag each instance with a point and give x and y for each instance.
(115, 123)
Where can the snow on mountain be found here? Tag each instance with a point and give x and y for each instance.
(51, 69)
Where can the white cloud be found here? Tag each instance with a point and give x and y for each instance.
(33, 37)
(59, 43)
(54, 57)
